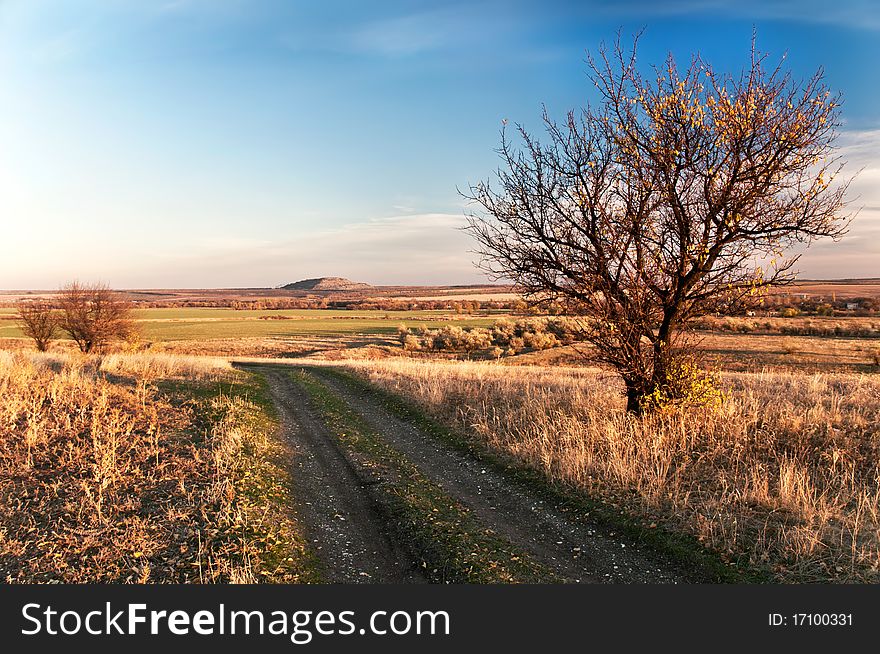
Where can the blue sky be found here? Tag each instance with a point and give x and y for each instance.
(196, 143)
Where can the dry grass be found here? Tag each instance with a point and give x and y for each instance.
(856, 327)
(274, 347)
(111, 482)
(785, 472)
(803, 354)
(140, 366)
(750, 353)
(166, 366)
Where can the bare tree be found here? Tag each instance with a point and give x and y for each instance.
(93, 315)
(39, 321)
(672, 198)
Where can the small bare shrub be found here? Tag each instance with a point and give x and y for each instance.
(39, 321)
(411, 343)
(93, 315)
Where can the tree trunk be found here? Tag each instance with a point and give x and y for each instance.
(662, 355)
(659, 369)
(633, 399)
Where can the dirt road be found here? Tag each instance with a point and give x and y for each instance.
(351, 536)
(346, 533)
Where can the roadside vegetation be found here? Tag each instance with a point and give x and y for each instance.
(107, 478)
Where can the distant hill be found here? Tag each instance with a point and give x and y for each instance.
(326, 284)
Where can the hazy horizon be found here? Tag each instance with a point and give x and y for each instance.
(228, 144)
(484, 283)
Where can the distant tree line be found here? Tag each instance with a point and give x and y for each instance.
(376, 304)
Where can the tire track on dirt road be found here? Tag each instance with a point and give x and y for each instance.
(344, 530)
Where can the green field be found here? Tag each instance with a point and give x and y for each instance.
(204, 324)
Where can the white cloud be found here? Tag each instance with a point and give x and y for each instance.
(457, 28)
(401, 36)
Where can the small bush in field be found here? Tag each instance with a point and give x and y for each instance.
(517, 344)
(477, 339)
(540, 341)
(502, 332)
(411, 343)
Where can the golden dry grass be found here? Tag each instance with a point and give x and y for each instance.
(112, 482)
(859, 327)
(750, 353)
(275, 347)
(785, 472)
(166, 366)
